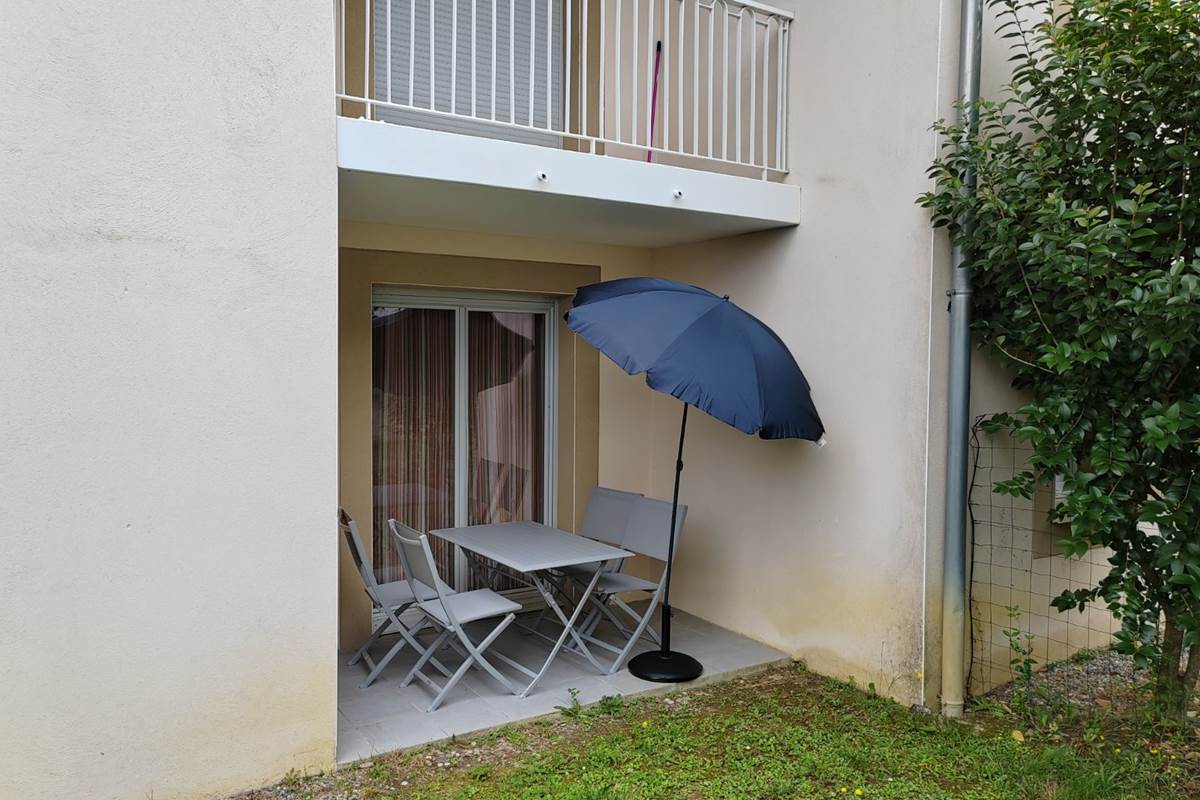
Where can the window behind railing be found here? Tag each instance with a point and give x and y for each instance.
(514, 76)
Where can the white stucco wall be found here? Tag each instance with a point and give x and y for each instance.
(833, 555)
(828, 553)
(168, 289)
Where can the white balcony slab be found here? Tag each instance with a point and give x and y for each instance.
(396, 174)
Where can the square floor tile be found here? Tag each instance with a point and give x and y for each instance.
(352, 745)
(408, 730)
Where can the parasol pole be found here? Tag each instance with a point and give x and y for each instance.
(665, 665)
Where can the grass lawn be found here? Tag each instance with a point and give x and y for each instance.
(784, 733)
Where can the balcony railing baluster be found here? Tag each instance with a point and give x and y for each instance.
(588, 75)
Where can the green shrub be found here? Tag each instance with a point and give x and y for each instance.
(1084, 246)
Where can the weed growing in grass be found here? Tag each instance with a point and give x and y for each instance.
(293, 778)
(573, 710)
(607, 706)
(1020, 646)
(610, 705)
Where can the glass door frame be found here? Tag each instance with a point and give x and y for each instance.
(462, 303)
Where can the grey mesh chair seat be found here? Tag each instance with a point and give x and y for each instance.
(611, 582)
(469, 606)
(397, 593)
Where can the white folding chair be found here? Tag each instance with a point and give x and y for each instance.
(392, 598)
(648, 533)
(449, 612)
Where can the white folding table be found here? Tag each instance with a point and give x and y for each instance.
(534, 550)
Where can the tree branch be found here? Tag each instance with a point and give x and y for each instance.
(1021, 360)
(1192, 676)
(1037, 309)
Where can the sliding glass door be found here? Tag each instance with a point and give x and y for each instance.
(462, 417)
(413, 407)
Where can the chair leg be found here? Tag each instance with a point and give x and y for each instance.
(637, 632)
(428, 654)
(541, 616)
(602, 608)
(407, 638)
(602, 612)
(451, 682)
(474, 658)
(378, 668)
(591, 622)
(416, 630)
(477, 652)
(616, 621)
(371, 640)
(621, 604)
(587, 628)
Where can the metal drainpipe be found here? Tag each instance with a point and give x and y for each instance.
(954, 581)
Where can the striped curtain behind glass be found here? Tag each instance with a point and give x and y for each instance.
(506, 383)
(413, 424)
(413, 429)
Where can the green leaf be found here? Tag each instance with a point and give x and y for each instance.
(1085, 257)
(1178, 152)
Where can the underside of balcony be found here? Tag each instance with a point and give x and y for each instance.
(633, 122)
(398, 174)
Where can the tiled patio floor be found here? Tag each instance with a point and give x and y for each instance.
(386, 716)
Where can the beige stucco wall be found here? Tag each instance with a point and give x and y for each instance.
(835, 555)
(826, 553)
(167, 440)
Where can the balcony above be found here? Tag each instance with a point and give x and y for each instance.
(403, 175)
(548, 123)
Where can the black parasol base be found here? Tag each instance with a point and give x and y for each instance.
(668, 667)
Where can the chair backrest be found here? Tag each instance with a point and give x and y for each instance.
(350, 531)
(417, 560)
(649, 530)
(607, 514)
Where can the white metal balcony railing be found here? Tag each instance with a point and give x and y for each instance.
(699, 83)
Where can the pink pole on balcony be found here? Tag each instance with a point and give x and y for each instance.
(654, 98)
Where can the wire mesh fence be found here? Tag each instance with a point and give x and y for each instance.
(1017, 569)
